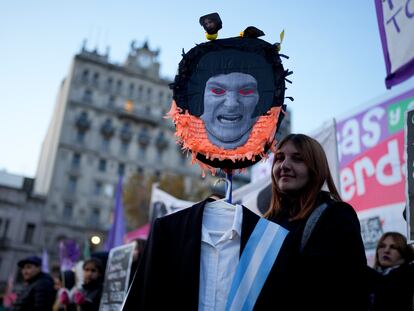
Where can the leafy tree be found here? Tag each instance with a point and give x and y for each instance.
(136, 199)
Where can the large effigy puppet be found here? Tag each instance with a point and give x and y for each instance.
(228, 98)
(228, 102)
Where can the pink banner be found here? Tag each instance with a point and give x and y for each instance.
(376, 177)
(371, 154)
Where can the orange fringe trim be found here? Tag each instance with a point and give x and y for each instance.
(192, 136)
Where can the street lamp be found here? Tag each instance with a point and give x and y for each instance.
(95, 240)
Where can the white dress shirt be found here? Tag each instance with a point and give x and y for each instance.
(220, 251)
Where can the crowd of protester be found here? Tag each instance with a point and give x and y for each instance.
(68, 290)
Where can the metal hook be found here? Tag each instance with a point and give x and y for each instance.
(229, 185)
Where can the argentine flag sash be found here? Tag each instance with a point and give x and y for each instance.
(255, 263)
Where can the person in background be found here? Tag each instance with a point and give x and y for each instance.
(393, 274)
(39, 293)
(64, 283)
(322, 265)
(89, 296)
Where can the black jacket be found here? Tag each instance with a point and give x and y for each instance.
(38, 295)
(330, 272)
(168, 274)
(167, 277)
(93, 294)
(393, 290)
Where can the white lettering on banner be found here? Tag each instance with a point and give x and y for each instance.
(359, 167)
(347, 184)
(372, 126)
(353, 179)
(391, 159)
(351, 139)
(394, 116)
(350, 142)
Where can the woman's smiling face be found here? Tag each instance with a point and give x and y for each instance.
(289, 169)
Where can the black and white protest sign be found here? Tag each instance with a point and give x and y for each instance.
(117, 277)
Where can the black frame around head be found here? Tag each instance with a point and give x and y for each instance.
(189, 84)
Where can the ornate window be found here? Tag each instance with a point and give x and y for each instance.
(119, 86)
(161, 142)
(82, 124)
(102, 165)
(4, 228)
(126, 136)
(107, 131)
(144, 140)
(121, 169)
(140, 92)
(68, 210)
(149, 94)
(126, 133)
(76, 159)
(144, 137)
(72, 184)
(111, 101)
(94, 217)
(95, 80)
(29, 233)
(131, 90)
(97, 188)
(109, 84)
(87, 96)
(161, 97)
(85, 75)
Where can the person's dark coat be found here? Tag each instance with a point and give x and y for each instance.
(167, 277)
(330, 272)
(93, 293)
(393, 289)
(38, 295)
(168, 274)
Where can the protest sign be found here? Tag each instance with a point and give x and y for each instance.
(396, 25)
(116, 277)
(409, 184)
(163, 203)
(372, 164)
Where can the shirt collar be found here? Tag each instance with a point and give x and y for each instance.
(230, 234)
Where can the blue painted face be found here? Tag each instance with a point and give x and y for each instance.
(229, 103)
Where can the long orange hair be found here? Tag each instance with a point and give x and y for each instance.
(315, 159)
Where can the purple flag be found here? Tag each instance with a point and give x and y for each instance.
(117, 232)
(69, 254)
(45, 261)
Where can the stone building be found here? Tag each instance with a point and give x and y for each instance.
(108, 120)
(21, 231)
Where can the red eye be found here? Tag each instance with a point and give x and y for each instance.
(246, 91)
(218, 91)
